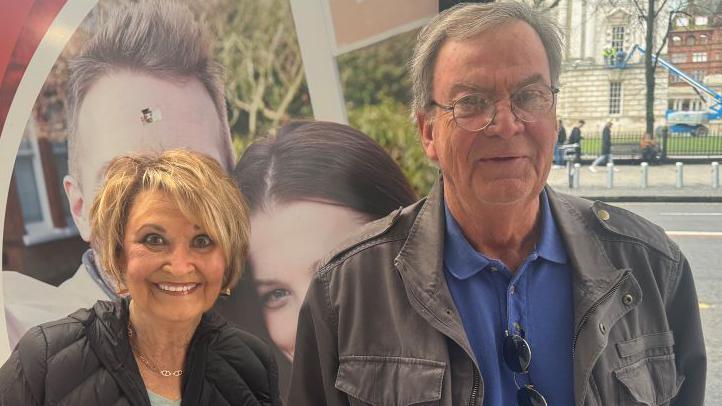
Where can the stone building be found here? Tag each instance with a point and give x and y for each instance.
(593, 87)
(695, 47)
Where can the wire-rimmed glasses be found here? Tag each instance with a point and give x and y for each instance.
(475, 111)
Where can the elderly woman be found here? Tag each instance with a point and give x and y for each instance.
(172, 230)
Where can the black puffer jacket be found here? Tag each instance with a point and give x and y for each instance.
(85, 359)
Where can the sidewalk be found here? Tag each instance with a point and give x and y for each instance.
(627, 184)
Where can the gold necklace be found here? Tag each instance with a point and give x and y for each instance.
(148, 364)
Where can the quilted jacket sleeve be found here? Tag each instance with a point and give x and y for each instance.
(22, 376)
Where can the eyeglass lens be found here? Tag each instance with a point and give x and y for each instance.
(528, 396)
(517, 355)
(475, 112)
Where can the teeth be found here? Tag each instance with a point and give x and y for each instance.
(177, 288)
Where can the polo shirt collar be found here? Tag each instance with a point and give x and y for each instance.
(463, 261)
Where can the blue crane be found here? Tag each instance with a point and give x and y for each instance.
(692, 122)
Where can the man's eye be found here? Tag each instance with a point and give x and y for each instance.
(202, 241)
(473, 100)
(275, 298)
(153, 240)
(470, 105)
(532, 99)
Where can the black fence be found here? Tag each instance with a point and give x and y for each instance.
(626, 145)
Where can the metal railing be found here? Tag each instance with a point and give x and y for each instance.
(626, 145)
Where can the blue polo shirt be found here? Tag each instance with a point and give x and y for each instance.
(537, 300)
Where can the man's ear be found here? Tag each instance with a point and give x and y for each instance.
(76, 202)
(426, 132)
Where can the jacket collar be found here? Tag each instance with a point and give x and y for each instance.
(464, 261)
(420, 265)
(107, 331)
(594, 273)
(420, 260)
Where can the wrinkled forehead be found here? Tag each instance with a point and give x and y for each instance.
(510, 55)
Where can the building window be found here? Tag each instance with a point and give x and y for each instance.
(697, 75)
(679, 58)
(682, 21)
(699, 57)
(615, 97)
(700, 20)
(618, 37)
(691, 40)
(676, 39)
(27, 183)
(703, 38)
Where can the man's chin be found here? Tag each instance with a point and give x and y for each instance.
(505, 192)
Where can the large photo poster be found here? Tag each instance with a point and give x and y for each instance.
(224, 78)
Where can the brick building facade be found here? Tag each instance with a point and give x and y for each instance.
(695, 47)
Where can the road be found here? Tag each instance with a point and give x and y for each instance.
(697, 229)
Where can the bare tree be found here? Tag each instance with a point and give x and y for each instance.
(256, 42)
(655, 15)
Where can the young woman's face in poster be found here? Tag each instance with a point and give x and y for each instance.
(286, 243)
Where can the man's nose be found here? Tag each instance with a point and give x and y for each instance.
(504, 122)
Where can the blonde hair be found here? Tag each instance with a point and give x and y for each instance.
(195, 182)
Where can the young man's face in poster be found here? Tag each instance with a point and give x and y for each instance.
(178, 113)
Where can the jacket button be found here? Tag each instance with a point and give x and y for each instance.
(602, 328)
(603, 215)
(627, 299)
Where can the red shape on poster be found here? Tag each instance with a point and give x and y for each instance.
(23, 23)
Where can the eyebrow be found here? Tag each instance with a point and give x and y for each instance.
(535, 78)
(312, 269)
(155, 227)
(472, 87)
(269, 282)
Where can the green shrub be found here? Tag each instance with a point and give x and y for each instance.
(388, 123)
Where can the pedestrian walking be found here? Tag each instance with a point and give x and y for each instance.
(576, 138)
(558, 151)
(606, 154)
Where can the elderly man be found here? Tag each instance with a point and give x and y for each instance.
(495, 289)
(145, 81)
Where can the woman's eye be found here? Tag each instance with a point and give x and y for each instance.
(153, 240)
(275, 298)
(202, 241)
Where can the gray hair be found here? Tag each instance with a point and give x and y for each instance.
(464, 21)
(161, 38)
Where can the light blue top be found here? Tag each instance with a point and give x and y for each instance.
(158, 400)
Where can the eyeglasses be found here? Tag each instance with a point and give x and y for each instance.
(475, 111)
(517, 355)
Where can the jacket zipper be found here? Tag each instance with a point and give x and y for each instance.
(594, 307)
(475, 388)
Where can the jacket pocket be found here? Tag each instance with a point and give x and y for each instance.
(647, 345)
(650, 381)
(390, 381)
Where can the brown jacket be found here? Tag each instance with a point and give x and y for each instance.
(379, 326)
